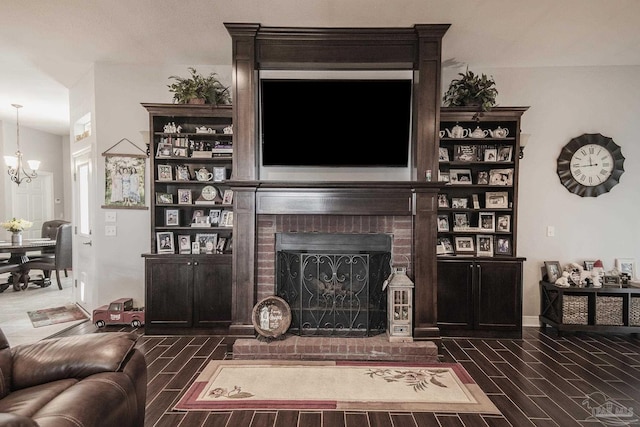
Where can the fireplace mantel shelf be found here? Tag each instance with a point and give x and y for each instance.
(329, 185)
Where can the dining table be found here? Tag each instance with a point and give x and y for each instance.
(19, 255)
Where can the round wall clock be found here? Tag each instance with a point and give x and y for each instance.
(590, 165)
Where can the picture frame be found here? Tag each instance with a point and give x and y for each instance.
(501, 177)
(208, 242)
(445, 247)
(554, 271)
(443, 222)
(227, 198)
(476, 201)
(503, 245)
(443, 154)
(121, 169)
(459, 202)
(460, 176)
(627, 266)
(199, 219)
(465, 245)
(444, 176)
(482, 178)
(465, 153)
(490, 155)
(195, 247)
(505, 153)
(503, 223)
(164, 198)
(183, 173)
(496, 200)
(226, 219)
(222, 243)
(164, 242)
(219, 173)
(460, 220)
(164, 150)
(484, 245)
(184, 196)
(165, 173)
(184, 244)
(443, 201)
(487, 221)
(214, 217)
(172, 217)
(179, 152)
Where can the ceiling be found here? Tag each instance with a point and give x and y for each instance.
(46, 46)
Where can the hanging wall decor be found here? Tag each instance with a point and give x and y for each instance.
(124, 179)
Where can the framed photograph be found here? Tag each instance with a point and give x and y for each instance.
(443, 222)
(588, 265)
(444, 246)
(465, 245)
(503, 246)
(487, 221)
(124, 181)
(195, 247)
(164, 242)
(219, 173)
(164, 150)
(199, 219)
(627, 266)
(459, 202)
(443, 155)
(460, 176)
(490, 155)
(227, 198)
(182, 173)
(443, 176)
(184, 244)
(504, 153)
(496, 200)
(222, 242)
(184, 196)
(179, 152)
(172, 217)
(443, 201)
(503, 223)
(554, 271)
(164, 198)
(484, 245)
(208, 242)
(460, 220)
(465, 153)
(214, 217)
(501, 177)
(165, 173)
(482, 178)
(476, 201)
(226, 219)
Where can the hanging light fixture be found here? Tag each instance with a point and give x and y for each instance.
(15, 167)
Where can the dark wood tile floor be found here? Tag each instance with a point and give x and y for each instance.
(540, 380)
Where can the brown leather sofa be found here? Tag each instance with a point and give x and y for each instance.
(86, 380)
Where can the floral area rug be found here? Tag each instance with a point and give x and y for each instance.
(50, 316)
(341, 385)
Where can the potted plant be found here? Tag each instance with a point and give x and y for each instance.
(471, 90)
(199, 89)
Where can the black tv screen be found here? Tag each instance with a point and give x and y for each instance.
(343, 123)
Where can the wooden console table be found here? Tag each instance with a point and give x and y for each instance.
(614, 310)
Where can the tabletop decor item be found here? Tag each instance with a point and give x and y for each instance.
(199, 89)
(471, 90)
(16, 227)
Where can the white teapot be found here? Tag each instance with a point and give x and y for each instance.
(478, 133)
(499, 132)
(203, 174)
(457, 132)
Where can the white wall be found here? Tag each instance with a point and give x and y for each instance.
(565, 103)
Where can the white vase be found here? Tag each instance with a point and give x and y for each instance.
(16, 238)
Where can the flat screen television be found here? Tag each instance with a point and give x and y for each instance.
(342, 123)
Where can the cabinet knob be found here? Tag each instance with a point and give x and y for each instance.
(195, 263)
(189, 263)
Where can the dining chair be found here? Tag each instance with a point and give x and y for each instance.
(6, 267)
(62, 257)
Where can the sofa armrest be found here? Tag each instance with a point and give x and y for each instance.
(13, 420)
(69, 357)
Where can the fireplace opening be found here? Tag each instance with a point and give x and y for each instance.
(333, 282)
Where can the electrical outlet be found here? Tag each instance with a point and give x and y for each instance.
(109, 230)
(110, 216)
(551, 231)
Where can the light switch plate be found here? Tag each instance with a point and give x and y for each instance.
(110, 216)
(109, 230)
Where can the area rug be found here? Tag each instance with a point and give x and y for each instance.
(341, 385)
(51, 316)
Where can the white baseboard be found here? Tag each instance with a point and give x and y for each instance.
(530, 321)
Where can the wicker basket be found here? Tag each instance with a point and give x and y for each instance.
(575, 309)
(634, 312)
(609, 310)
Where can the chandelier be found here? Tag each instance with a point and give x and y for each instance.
(15, 166)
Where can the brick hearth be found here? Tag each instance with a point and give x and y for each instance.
(335, 348)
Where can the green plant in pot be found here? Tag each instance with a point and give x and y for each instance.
(471, 90)
(199, 89)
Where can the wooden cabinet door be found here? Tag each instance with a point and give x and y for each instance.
(212, 291)
(499, 296)
(455, 296)
(169, 292)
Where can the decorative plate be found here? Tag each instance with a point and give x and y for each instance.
(271, 317)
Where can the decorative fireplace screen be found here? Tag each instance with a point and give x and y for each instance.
(332, 292)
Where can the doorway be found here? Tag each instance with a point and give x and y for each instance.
(83, 252)
(33, 201)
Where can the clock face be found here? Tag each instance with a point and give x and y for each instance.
(590, 165)
(208, 193)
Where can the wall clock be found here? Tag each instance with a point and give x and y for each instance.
(590, 165)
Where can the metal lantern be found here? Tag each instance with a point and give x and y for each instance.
(400, 306)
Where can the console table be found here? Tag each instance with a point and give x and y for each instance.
(615, 310)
